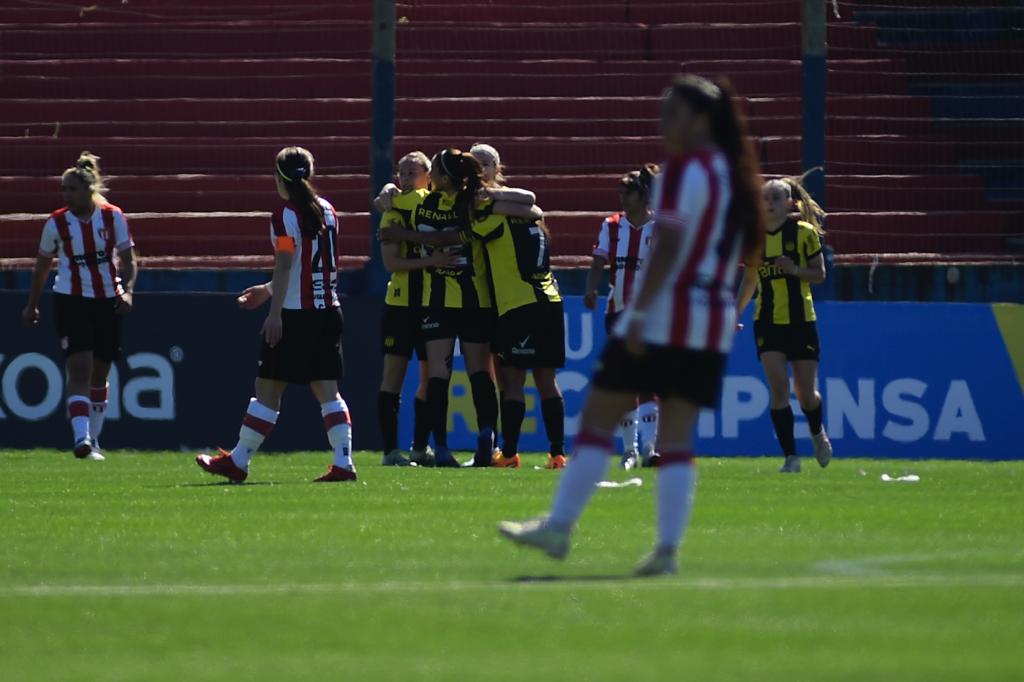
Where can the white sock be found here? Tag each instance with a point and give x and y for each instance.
(586, 469)
(647, 416)
(99, 411)
(78, 411)
(257, 424)
(338, 425)
(629, 431)
(677, 481)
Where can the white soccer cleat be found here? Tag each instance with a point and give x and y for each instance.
(95, 456)
(630, 460)
(662, 561)
(822, 448)
(791, 466)
(538, 533)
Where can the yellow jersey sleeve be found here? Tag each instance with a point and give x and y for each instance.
(810, 242)
(402, 207)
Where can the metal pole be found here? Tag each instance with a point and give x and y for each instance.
(382, 136)
(813, 52)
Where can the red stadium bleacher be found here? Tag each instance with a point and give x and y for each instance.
(187, 102)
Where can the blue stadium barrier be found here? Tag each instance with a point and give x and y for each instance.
(902, 380)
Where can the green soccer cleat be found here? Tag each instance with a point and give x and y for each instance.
(538, 533)
(662, 561)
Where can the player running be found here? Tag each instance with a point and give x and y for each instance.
(624, 244)
(531, 322)
(96, 274)
(785, 330)
(675, 333)
(302, 332)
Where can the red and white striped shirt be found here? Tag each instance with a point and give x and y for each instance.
(625, 246)
(87, 251)
(695, 305)
(313, 281)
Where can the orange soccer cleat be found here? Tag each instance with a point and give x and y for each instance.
(337, 474)
(500, 461)
(222, 465)
(555, 462)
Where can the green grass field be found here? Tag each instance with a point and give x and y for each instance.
(145, 568)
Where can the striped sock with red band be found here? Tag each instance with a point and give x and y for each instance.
(257, 424)
(78, 411)
(338, 425)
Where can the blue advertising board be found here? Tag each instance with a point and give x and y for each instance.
(907, 380)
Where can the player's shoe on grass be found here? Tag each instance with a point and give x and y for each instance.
(222, 465)
(537, 533)
(83, 448)
(791, 465)
(423, 458)
(500, 461)
(651, 458)
(662, 561)
(484, 455)
(443, 457)
(336, 474)
(555, 462)
(630, 460)
(395, 459)
(822, 448)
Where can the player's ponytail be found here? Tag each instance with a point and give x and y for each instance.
(294, 167)
(87, 170)
(809, 210)
(729, 132)
(466, 177)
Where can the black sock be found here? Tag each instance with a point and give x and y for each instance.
(512, 413)
(485, 400)
(387, 416)
(553, 410)
(420, 425)
(437, 413)
(814, 419)
(782, 420)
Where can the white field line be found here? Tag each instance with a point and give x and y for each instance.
(548, 583)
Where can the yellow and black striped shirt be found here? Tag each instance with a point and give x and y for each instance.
(464, 284)
(782, 298)
(405, 289)
(518, 258)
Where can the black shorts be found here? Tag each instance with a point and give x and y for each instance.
(532, 336)
(469, 325)
(666, 371)
(88, 324)
(796, 341)
(400, 332)
(309, 349)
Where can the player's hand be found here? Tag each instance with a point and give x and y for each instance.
(253, 297)
(590, 300)
(635, 344)
(786, 264)
(392, 232)
(386, 196)
(125, 304)
(30, 316)
(272, 329)
(443, 259)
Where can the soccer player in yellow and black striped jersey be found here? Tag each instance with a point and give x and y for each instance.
(785, 326)
(400, 328)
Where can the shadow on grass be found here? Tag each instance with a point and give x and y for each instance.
(222, 484)
(570, 578)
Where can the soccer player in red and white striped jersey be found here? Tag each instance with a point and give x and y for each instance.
(302, 333)
(676, 331)
(624, 243)
(95, 278)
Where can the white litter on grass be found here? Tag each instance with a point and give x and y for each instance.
(906, 478)
(621, 484)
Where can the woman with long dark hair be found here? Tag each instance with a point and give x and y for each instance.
(676, 332)
(302, 332)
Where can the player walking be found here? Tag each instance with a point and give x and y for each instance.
(302, 333)
(96, 274)
(674, 336)
(624, 244)
(785, 329)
